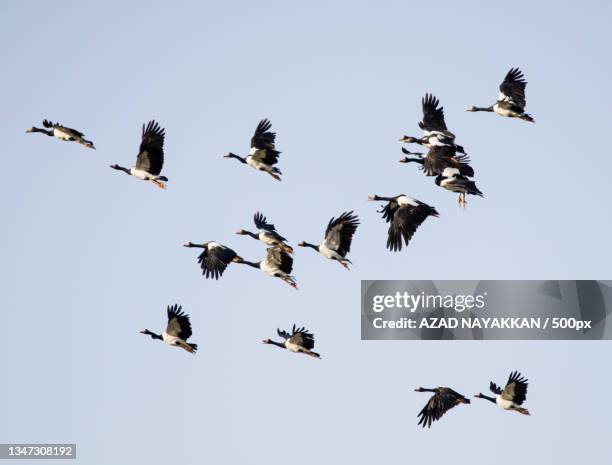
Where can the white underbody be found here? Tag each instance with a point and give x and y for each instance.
(58, 133)
(503, 111)
(293, 347)
(141, 174)
(327, 252)
(504, 403)
(258, 164)
(170, 340)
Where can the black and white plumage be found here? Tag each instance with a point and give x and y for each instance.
(299, 341)
(178, 330)
(150, 159)
(405, 215)
(267, 234)
(338, 237)
(438, 158)
(435, 132)
(442, 401)
(62, 133)
(277, 264)
(512, 396)
(511, 99)
(451, 179)
(214, 258)
(263, 154)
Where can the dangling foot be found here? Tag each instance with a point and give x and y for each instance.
(159, 184)
(276, 176)
(344, 264)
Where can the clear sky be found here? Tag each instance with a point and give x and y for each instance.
(91, 256)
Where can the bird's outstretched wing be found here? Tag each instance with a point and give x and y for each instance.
(438, 404)
(213, 262)
(339, 232)
(512, 90)
(178, 323)
(151, 155)
(433, 115)
(261, 222)
(302, 337)
(406, 221)
(516, 388)
(279, 258)
(263, 137)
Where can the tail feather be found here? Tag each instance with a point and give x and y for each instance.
(527, 117)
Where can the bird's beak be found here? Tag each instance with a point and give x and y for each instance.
(28, 130)
(226, 156)
(187, 244)
(404, 160)
(372, 197)
(301, 244)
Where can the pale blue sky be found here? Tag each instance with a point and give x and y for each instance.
(90, 256)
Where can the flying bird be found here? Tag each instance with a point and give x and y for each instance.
(435, 132)
(150, 158)
(178, 330)
(214, 259)
(452, 180)
(441, 402)
(263, 154)
(338, 237)
(513, 395)
(511, 98)
(267, 234)
(277, 264)
(62, 133)
(299, 341)
(405, 215)
(438, 158)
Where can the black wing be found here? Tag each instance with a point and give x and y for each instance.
(262, 223)
(494, 388)
(433, 116)
(178, 323)
(516, 388)
(440, 403)
(405, 222)
(302, 337)
(151, 155)
(282, 259)
(339, 232)
(263, 137)
(213, 262)
(513, 88)
(439, 158)
(389, 210)
(74, 132)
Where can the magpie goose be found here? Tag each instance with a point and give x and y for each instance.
(150, 158)
(438, 158)
(214, 259)
(338, 238)
(405, 215)
(277, 264)
(62, 133)
(511, 98)
(263, 154)
(513, 395)
(435, 132)
(452, 180)
(299, 341)
(178, 330)
(267, 234)
(441, 402)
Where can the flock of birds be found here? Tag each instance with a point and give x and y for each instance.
(444, 159)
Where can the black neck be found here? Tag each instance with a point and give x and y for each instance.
(152, 334)
(384, 199)
(44, 131)
(237, 157)
(415, 160)
(253, 264)
(490, 399)
(312, 246)
(277, 344)
(121, 168)
(249, 233)
(482, 109)
(199, 246)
